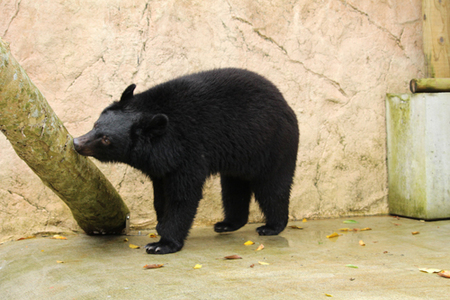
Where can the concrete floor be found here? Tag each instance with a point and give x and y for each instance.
(303, 264)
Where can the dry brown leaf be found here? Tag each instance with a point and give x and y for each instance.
(415, 232)
(26, 238)
(365, 229)
(248, 243)
(296, 227)
(445, 274)
(153, 266)
(233, 257)
(59, 237)
(132, 246)
(334, 234)
(252, 265)
(260, 247)
(361, 243)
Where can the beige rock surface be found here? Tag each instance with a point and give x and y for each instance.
(334, 61)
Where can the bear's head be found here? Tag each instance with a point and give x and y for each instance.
(119, 127)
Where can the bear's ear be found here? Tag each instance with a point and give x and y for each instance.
(127, 94)
(155, 127)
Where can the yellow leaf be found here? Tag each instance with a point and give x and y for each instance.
(429, 270)
(153, 266)
(132, 246)
(344, 229)
(365, 229)
(59, 262)
(415, 232)
(248, 243)
(152, 235)
(197, 266)
(125, 240)
(334, 234)
(58, 237)
(304, 220)
(328, 295)
(263, 263)
(260, 247)
(362, 243)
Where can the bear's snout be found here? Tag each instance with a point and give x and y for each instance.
(80, 145)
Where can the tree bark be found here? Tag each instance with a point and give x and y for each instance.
(41, 140)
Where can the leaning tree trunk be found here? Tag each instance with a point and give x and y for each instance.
(41, 140)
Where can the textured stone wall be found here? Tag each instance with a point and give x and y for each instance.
(333, 60)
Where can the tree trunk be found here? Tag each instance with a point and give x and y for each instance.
(41, 140)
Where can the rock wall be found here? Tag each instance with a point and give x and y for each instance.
(334, 61)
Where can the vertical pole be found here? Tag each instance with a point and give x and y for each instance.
(436, 37)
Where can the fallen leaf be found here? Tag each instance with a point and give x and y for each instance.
(248, 243)
(352, 279)
(344, 229)
(396, 224)
(365, 229)
(296, 227)
(263, 263)
(350, 222)
(125, 240)
(445, 274)
(385, 252)
(252, 265)
(334, 234)
(415, 232)
(153, 266)
(355, 229)
(328, 295)
(351, 266)
(429, 270)
(26, 238)
(132, 246)
(361, 243)
(233, 257)
(260, 247)
(304, 220)
(59, 262)
(152, 235)
(59, 237)
(197, 266)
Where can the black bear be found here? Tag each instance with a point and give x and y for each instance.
(228, 121)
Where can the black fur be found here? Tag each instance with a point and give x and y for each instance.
(228, 121)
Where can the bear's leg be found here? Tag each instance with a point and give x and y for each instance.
(158, 198)
(182, 193)
(236, 195)
(272, 196)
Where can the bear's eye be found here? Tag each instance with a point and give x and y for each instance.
(105, 140)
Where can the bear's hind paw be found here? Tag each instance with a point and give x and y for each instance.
(161, 248)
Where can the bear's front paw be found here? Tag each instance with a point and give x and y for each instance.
(162, 248)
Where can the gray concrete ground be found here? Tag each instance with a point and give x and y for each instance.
(302, 264)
